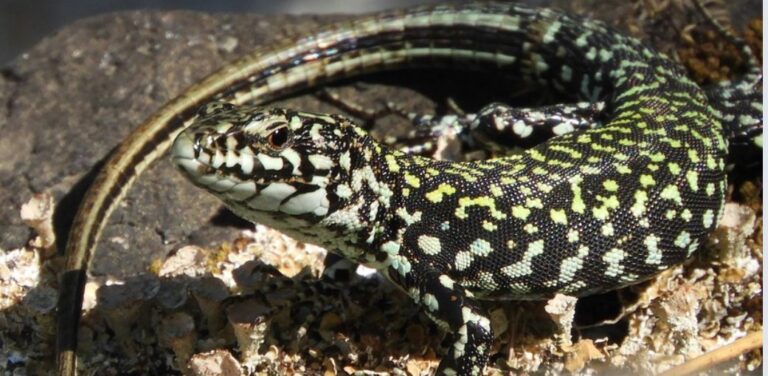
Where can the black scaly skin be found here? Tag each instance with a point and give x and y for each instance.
(588, 211)
(738, 105)
(501, 128)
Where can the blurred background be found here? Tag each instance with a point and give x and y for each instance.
(24, 22)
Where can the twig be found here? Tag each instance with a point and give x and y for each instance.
(751, 341)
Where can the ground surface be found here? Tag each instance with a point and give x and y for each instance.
(72, 98)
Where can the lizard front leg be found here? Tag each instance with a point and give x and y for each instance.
(448, 304)
(499, 127)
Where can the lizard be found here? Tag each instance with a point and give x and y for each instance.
(587, 211)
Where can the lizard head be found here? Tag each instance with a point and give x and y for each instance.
(267, 165)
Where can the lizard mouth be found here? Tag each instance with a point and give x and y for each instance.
(241, 179)
(232, 175)
(252, 164)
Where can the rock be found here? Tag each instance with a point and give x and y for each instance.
(71, 99)
(214, 363)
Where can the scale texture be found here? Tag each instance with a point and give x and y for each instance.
(592, 209)
(585, 212)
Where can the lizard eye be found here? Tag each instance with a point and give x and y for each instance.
(278, 138)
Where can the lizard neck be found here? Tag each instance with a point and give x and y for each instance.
(367, 190)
